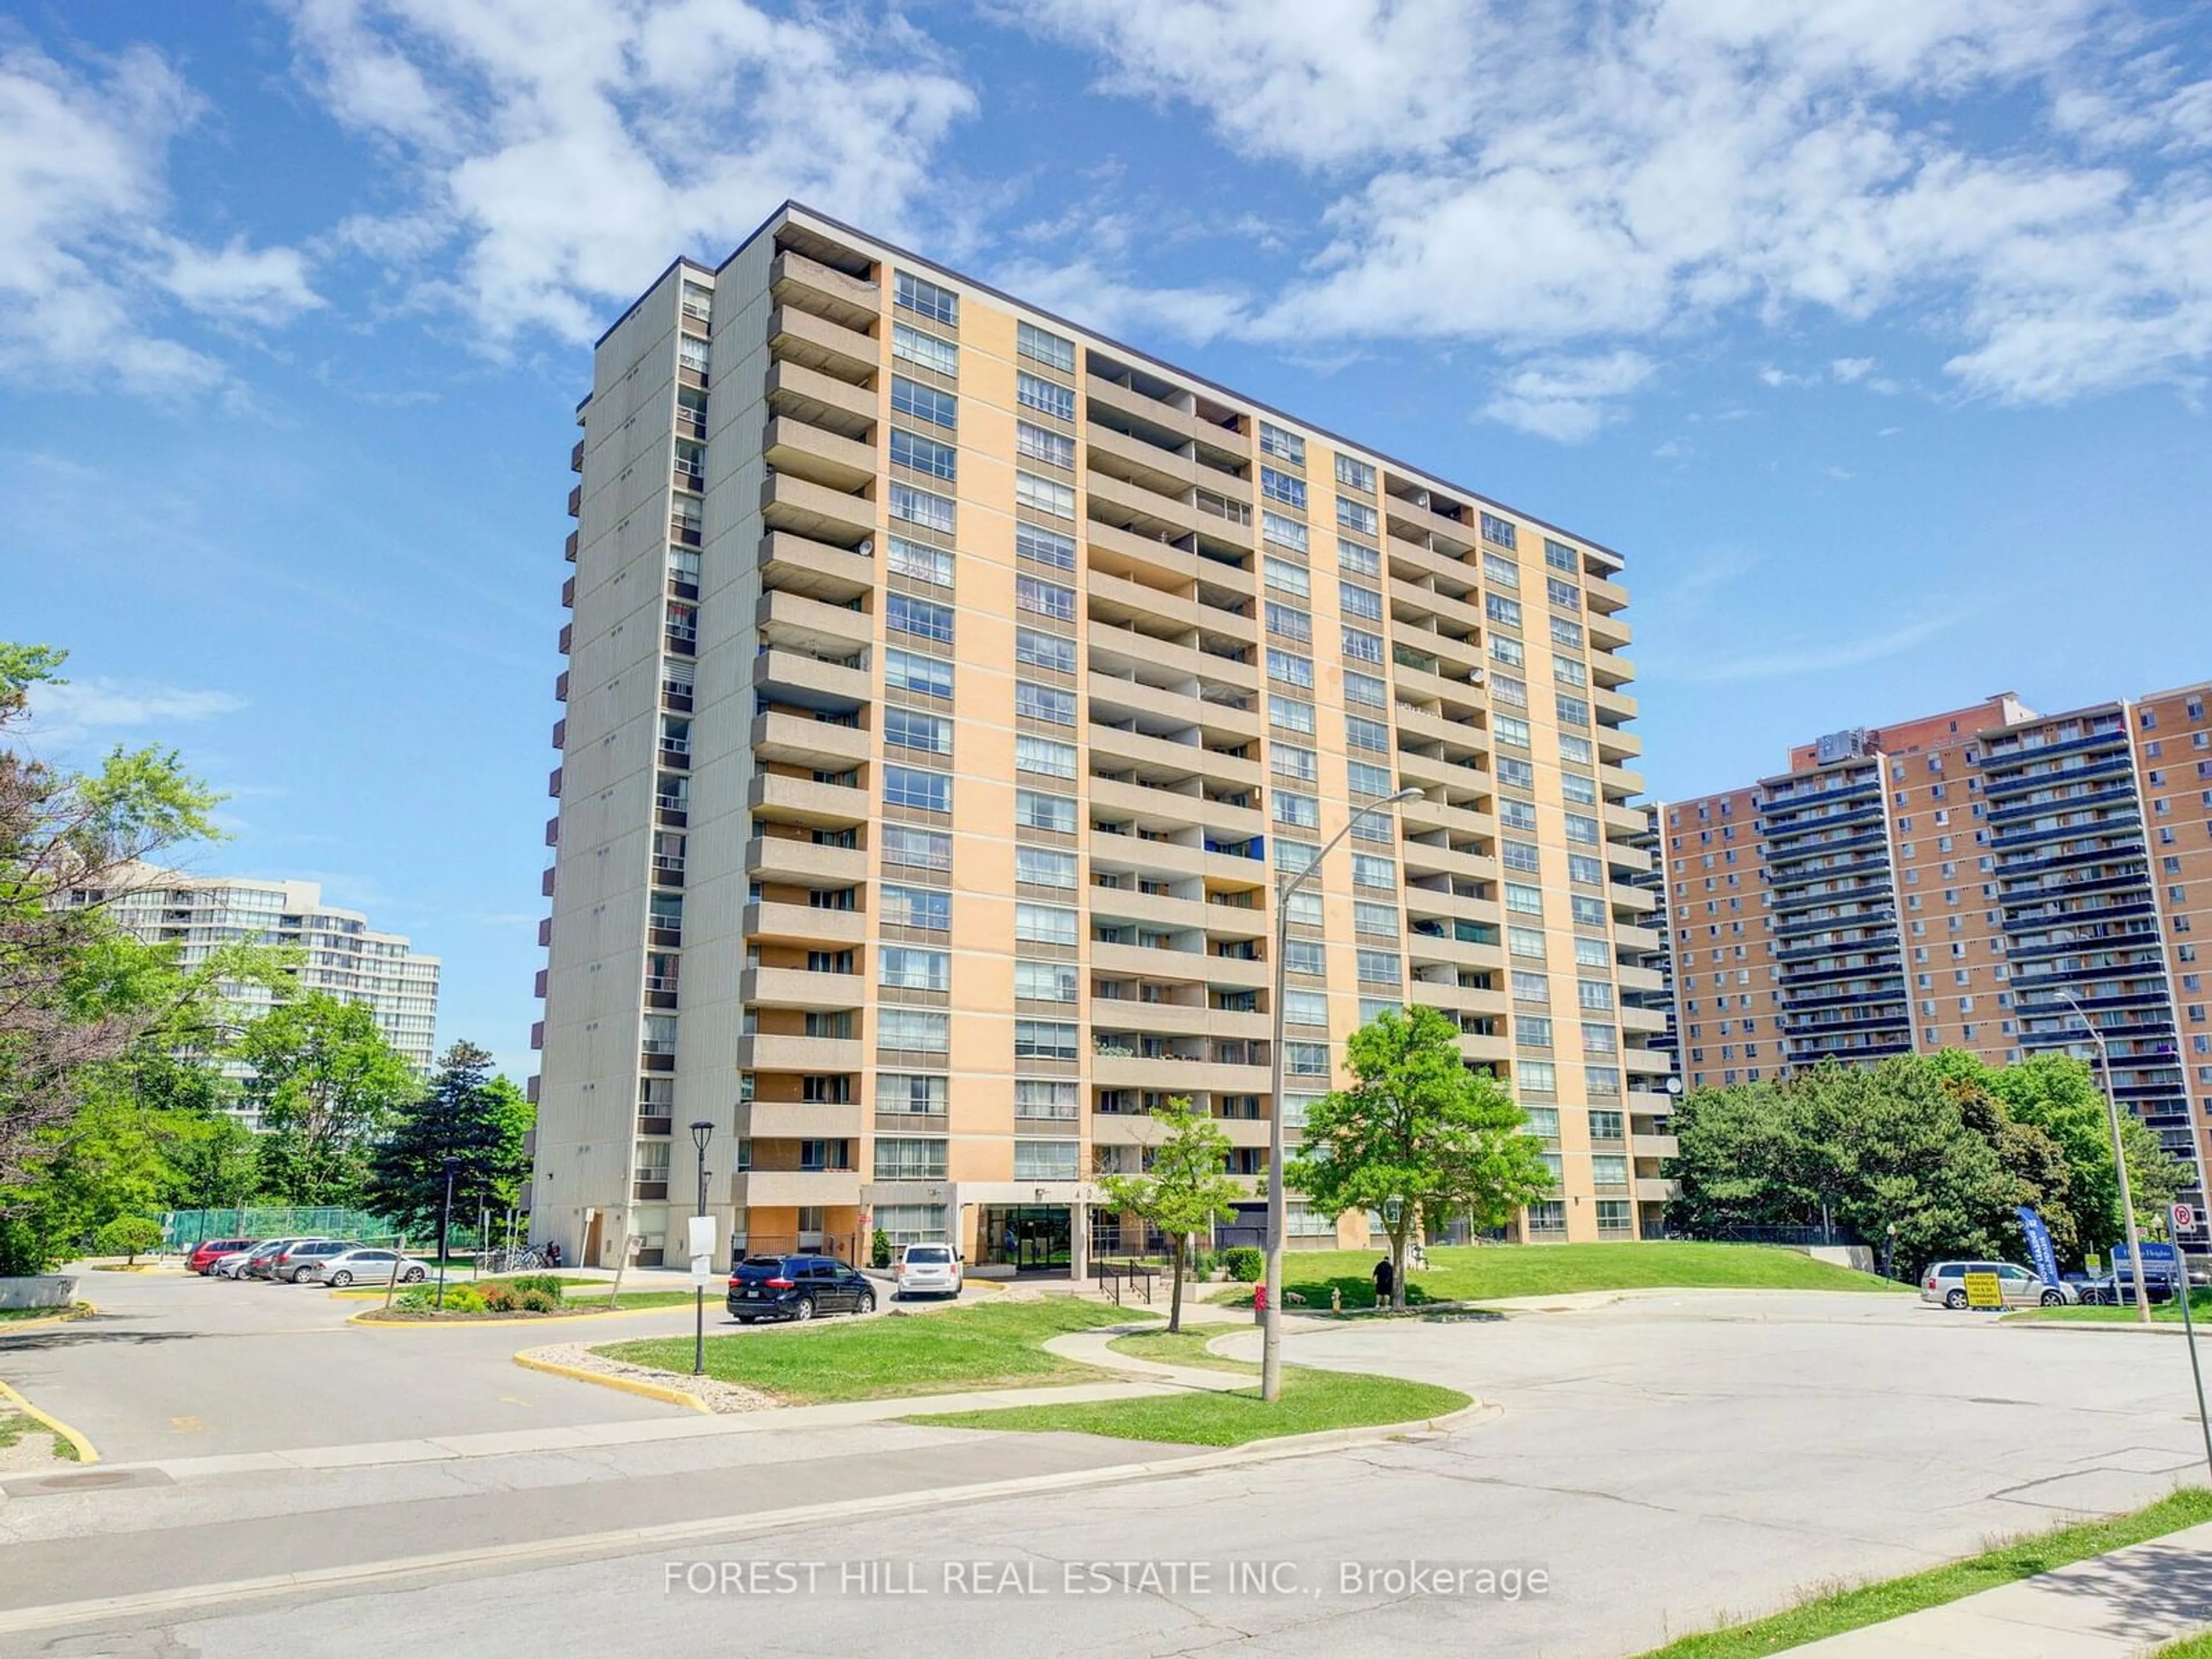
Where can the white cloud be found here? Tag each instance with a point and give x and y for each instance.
(1715, 159)
(89, 264)
(75, 710)
(1568, 399)
(568, 148)
(1852, 369)
(1810, 656)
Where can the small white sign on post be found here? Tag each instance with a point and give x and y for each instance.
(2185, 1220)
(702, 1248)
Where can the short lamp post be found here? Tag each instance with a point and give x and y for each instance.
(1271, 1327)
(702, 1132)
(445, 1227)
(2119, 1160)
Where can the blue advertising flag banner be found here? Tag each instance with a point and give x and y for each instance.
(2038, 1244)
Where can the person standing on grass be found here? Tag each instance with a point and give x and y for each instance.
(1384, 1277)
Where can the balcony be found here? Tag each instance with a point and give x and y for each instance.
(799, 988)
(1413, 519)
(1155, 909)
(783, 1189)
(1119, 650)
(1422, 948)
(1649, 1021)
(1159, 757)
(1651, 1145)
(1117, 598)
(789, 502)
(1653, 1190)
(809, 285)
(821, 400)
(1607, 633)
(804, 1119)
(784, 1052)
(844, 354)
(798, 622)
(803, 863)
(1165, 418)
(1409, 597)
(1422, 860)
(576, 501)
(813, 682)
(1165, 471)
(802, 800)
(1164, 561)
(801, 740)
(805, 924)
(1177, 1077)
(797, 450)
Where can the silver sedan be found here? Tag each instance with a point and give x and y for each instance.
(363, 1266)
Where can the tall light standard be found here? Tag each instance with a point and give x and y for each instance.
(445, 1227)
(1271, 1338)
(2119, 1158)
(702, 1132)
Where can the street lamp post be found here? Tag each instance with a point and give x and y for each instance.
(2119, 1160)
(1271, 1324)
(702, 1132)
(445, 1227)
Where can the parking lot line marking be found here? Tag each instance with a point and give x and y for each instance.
(86, 1452)
(187, 1425)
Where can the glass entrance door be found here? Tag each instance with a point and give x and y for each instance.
(1028, 1237)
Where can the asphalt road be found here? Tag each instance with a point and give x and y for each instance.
(1662, 1461)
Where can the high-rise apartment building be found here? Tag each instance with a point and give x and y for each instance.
(340, 953)
(947, 688)
(1949, 882)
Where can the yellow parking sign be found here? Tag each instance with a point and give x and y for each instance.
(1984, 1290)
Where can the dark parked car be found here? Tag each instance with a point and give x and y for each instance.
(2118, 1290)
(796, 1287)
(204, 1255)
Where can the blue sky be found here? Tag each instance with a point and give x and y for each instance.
(1874, 335)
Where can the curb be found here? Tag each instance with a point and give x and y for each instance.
(528, 1361)
(366, 1317)
(2098, 1327)
(86, 1451)
(79, 1310)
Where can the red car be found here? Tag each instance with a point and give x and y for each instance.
(204, 1257)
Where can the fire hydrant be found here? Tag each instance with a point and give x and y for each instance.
(1336, 1298)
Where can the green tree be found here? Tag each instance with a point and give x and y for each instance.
(325, 1083)
(467, 1115)
(1418, 1136)
(128, 1236)
(1185, 1188)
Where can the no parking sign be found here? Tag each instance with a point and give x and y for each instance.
(2185, 1220)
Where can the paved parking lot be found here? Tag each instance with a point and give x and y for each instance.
(1665, 1460)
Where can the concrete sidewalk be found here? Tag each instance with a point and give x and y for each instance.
(2119, 1606)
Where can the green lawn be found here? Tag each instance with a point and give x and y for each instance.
(1312, 1401)
(1181, 1348)
(2189, 1647)
(1478, 1273)
(988, 1345)
(1870, 1604)
(2161, 1313)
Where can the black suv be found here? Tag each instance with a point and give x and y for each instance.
(796, 1287)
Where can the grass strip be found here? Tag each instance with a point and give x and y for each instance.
(1181, 1348)
(1834, 1613)
(1311, 1400)
(2161, 1313)
(987, 1345)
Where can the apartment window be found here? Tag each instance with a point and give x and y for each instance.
(1044, 494)
(1290, 622)
(1044, 982)
(1609, 1169)
(1507, 651)
(926, 299)
(1034, 344)
(1505, 612)
(909, 671)
(922, 1030)
(925, 350)
(1577, 749)
(1044, 867)
(691, 352)
(1581, 868)
(1355, 475)
(1532, 1031)
(1042, 755)
(1593, 994)
(1582, 828)
(920, 507)
(1569, 671)
(1295, 858)
(1513, 693)
(1378, 967)
(1365, 689)
(1536, 1076)
(1359, 601)
(1044, 702)
(1521, 855)
(1603, 1082)
(1304, 955)
(1291, 714)
(1283, 533)
(1306, 1059)
(1567, 634)
(908, 787)
(921, 849)
(1036, 811)
(1044, 598)
(1497, 567)
(909, 1158)
(1530, 985)
(1497, 530)
(919, 1092)
(1523, 900)
(1037, 650)
(1561, 556)
(1519, 774)
(1357, 516)
(1282, 487)
(1286, 446)
(1376, 920)
(1044, 546)
(1032, 392)
(1302, 812)
(1525, 942)
(1511, 729)
(1357, 560)
(1044, 924)
(1360, 732)
(924, 403)
(917, 906)
(1043, 1039)
(914, 970)
(1306, 1008)
(1361, 645)
(1286, 577)
(1054, 448)
(1370, 870)
(1593, 953)
(1566, 595)
(1367, 779)
(1046, 1098)
(903, 728)
(1287, 760)
(904, 614)
(1572, 711)
(923, 563)
(1046, 1160)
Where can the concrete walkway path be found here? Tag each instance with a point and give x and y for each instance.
(2119, 1606)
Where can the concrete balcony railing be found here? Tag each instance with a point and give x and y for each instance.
(797, 988)
(1111, 647)
(1152, 809)
(1615, 705)
(1649, 1021)
(798, 1120)
(1408, 556)
(822, 399)
(807, 624)
(797, 676)
(1177, 1077)
(793, 503)
(783, 1189)
(1630, 937)
(1176, 1018)
(803, 863)
(776, 1052)
(1654, 1190)
(1631, 901)
(1422, 948)
(800, 741)
(1646, 1062)
(1456, 998)
(1474, 1046)
(1603, 595)
(1654, 1146)
(1426, 902)
(1151, 411)
(800, 336)
(1125, 456)
(797, 450)
(1608, 633)
(794, 279)
(1121, 549)
(1626, 820)
(1419, 521)
(1426, 726)
(795, 564)
(1114, 597)
(802, 800)
(1160, 757)
(1149, 962)
(1419, 600)
(1154, 909)
(1639, 979)
(1154, 861)
(1422, 860)
(805, 924)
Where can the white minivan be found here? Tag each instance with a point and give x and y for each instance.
(927, 1270)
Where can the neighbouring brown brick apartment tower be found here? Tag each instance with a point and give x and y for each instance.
(946, 686)
(1946, 882)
